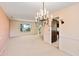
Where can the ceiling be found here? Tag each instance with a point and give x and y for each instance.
(27, 10)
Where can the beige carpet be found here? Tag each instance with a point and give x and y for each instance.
(30, 45)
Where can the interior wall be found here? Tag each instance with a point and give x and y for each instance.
(47, 32)
(4, 29)
(69, 31)
(15, 28)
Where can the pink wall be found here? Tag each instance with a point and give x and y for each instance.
(69, 31)
(4, 29)
(47, 32)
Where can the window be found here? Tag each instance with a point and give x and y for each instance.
(25, 27)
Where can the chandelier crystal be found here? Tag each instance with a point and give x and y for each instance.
(42, 15)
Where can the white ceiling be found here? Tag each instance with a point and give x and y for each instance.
(27, 10)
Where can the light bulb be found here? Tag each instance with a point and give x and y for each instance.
(51, 16)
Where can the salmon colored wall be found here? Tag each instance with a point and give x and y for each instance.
(47, 32)
(15, 28)
(4, 29)
(69, 31)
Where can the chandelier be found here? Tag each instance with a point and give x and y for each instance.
(42, 15)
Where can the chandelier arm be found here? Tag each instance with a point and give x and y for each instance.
(43, 10)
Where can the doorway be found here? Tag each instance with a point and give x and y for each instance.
(55, 33)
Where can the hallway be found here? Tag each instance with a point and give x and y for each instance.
(30, 45)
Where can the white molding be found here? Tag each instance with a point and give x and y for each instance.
(72, 37)
(18, 19)
(69, 44)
